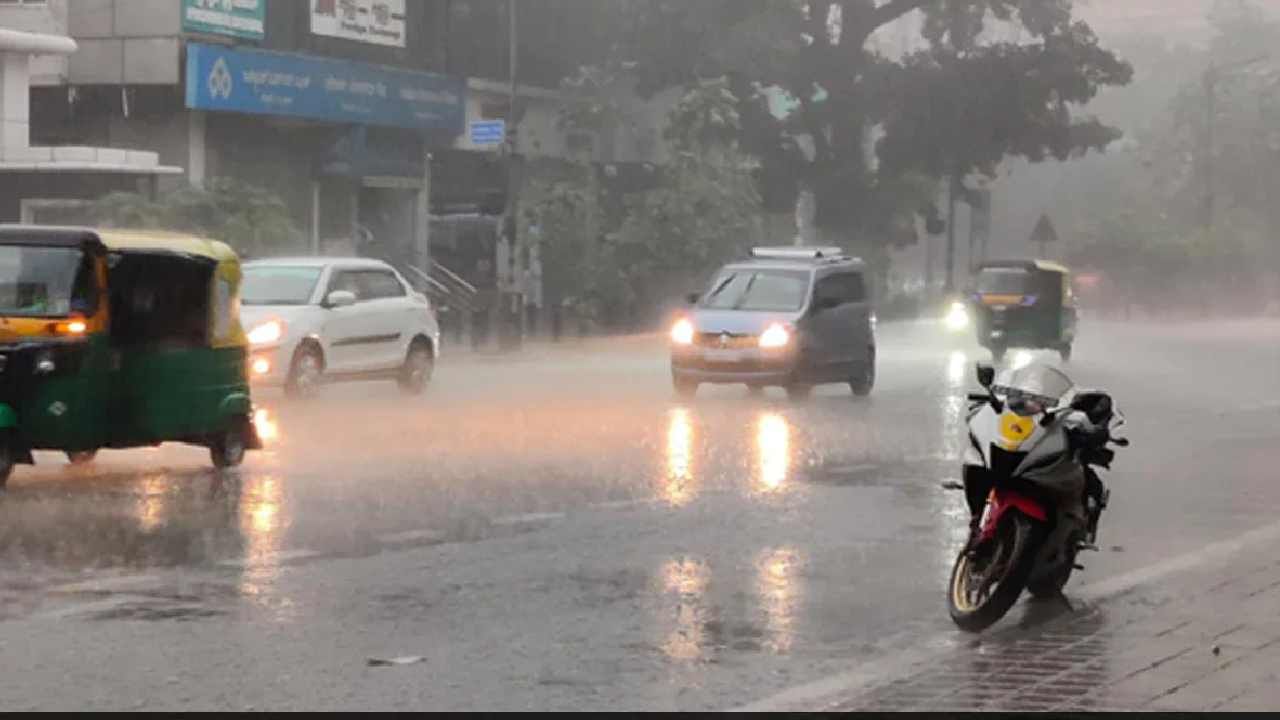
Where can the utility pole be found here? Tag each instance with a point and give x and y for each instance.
(951, 234)
(1211, 113)
(512, 300)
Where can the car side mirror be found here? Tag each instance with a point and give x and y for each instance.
(692, 298)
(340, 298)
(986, 375)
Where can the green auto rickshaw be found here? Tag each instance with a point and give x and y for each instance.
(1025, 304)
(120, 339)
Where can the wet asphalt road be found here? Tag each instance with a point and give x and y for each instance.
(554, 531)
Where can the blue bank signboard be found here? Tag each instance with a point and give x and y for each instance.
(266, 83)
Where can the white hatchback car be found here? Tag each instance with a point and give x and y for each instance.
(316, 320)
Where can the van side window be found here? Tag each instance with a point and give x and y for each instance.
(844, 288)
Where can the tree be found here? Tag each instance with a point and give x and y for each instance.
(987, 79)
(250, 219)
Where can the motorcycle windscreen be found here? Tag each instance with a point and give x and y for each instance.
(1035, 380)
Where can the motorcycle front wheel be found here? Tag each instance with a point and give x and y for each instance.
(986, 582)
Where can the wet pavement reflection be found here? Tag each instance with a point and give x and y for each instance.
(563, 528)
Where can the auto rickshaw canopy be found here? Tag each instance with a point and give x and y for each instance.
(224, 328)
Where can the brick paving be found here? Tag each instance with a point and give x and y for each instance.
(1204, 641)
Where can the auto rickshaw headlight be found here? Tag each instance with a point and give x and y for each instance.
(957, 317)
(267, 333)
(45, 364)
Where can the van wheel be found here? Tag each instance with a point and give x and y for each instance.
(82, 458)
(419, 365)
(865, 381)
(306, 373)
(798, 392)
(685, 389)
(227, 450)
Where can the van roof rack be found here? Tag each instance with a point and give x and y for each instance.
(797, 253)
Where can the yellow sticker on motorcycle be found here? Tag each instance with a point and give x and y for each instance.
(1015, 430)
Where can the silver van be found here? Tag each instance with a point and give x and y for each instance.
(792, 317)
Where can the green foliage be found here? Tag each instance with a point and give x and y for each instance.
(250, 219)
(611, 259)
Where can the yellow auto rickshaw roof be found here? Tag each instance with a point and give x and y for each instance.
(144, 240)
(1051, 266)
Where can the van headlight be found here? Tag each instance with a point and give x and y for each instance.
(267, 333)
(957, 317)
(682, 332)
(776, 336)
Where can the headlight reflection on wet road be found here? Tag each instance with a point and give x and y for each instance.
(773, 445)
(678, 489)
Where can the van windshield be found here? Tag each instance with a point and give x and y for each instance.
(758, 290)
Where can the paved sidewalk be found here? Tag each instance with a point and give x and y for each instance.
(1208, 640)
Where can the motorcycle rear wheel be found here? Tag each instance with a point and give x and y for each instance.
(987, 582)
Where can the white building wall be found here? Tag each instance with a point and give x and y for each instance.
(47, 17)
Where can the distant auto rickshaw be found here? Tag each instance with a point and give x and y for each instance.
(1025, 304)
(114, 339)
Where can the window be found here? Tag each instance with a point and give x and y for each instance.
(758, 291)
(46, 281)
(1004, 281)
(347, 281)
(379, 284)
(843, 289)
(274, 285)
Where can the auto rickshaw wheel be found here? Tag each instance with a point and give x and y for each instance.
(6, 462)
(227, 450)
(82, 458)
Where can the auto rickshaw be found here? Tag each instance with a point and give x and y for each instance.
(120, 339)
(1024, 304)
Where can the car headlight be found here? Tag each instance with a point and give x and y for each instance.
(682, 332)
(958, 317)
(267, 333)
(775, 337)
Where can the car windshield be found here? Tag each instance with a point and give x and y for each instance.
(45, 281)
(1004, 281)
(758, 290)
(279, 285)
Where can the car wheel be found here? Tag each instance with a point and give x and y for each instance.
(306, 373)
(228, 449)
(865, 380)
(82, 458)
(419, 365)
